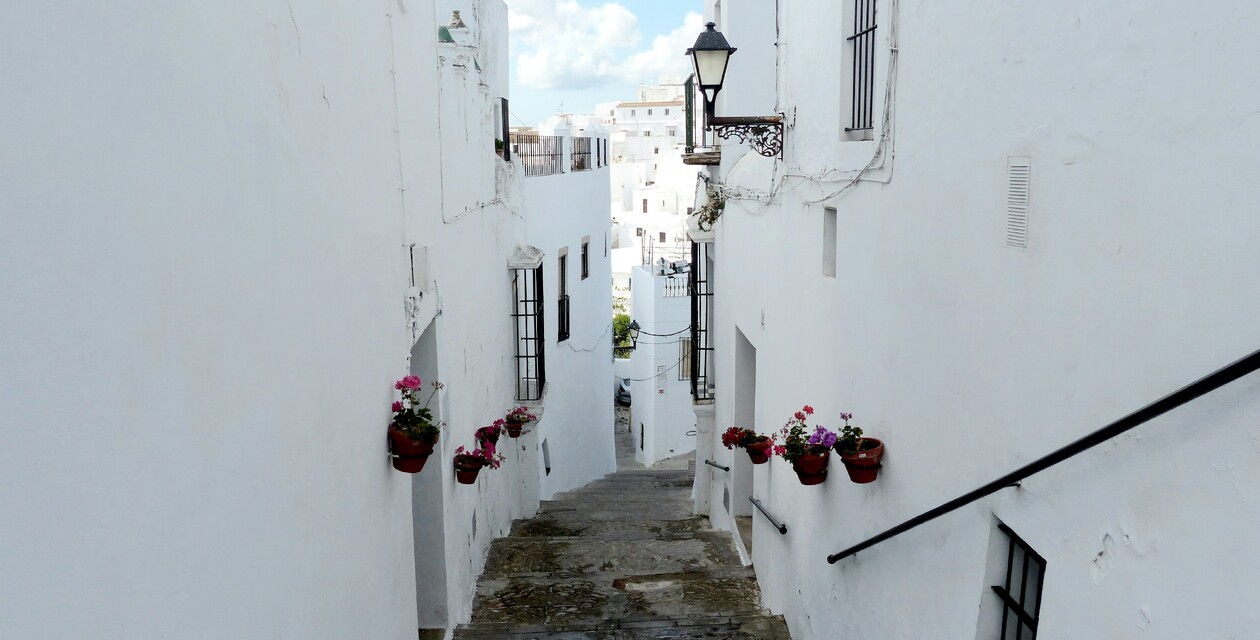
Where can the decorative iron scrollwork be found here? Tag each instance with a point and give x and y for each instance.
(763, 134)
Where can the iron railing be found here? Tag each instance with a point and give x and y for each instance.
(777, 525)
(717, 466)
(701, 323)
(581, 160)
(541, 155)
(1203, 386)
(527, 318)
(863, 50)
(562, 333)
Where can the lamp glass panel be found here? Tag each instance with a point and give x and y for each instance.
(711, 67)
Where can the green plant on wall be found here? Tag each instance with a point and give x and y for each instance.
(712, 209)
(621, 335)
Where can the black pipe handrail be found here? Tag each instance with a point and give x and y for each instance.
(777, 525)
(714, 464)
(1203, 386)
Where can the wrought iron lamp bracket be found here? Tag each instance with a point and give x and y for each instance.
(763, 133)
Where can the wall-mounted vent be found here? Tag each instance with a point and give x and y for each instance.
(1017, 182)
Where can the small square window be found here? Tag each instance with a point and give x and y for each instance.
(647, 133)
(632, 112)
(649, 112)
(638, 231)
(667, 112)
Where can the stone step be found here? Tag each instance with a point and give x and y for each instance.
(563, 558)
(738, 627)
(573, 525)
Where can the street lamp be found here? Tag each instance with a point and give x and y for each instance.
(634, 334)
(709, 57)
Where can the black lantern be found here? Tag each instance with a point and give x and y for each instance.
(634, 334)
(709, 58)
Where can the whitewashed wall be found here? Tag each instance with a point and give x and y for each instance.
(203, 276)
(970, 358)
(562, 210)
(661, 402)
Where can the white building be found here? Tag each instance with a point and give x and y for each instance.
(220, 250)
(660, 366)
(1017, 237)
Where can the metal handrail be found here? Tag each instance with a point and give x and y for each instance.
(777, 525)
(1203, 386)
(714, 464)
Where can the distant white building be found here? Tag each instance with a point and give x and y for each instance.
(992, 231)
(660, 365)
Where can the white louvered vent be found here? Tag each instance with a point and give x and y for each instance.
(1017, 177)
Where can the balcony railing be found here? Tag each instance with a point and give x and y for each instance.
(541, 155)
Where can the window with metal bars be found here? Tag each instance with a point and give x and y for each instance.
(701, 364)
(586, 258)
(1020, 594)
(862, 51)
(527, 319)
(562, 300)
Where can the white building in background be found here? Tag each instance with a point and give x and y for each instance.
(210, 287)
(660, 365)
(652, 190)
(985, 252)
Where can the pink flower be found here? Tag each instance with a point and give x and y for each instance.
(779, 449)
(398, 385)
(411, 382)
(799, 415)
(808, 410)
(398, 406)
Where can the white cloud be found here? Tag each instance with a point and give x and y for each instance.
(563, 44)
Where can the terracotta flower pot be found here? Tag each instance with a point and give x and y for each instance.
(811, 468)
(514, 428)
(411, 454)
(467, 474)
(863, 466)
(759, 452)
(492, 439)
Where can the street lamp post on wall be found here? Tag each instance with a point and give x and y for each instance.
(634, 334)
(710, 56)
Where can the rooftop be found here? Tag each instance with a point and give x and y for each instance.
(670, 103)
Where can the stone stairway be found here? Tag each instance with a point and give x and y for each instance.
(621, 559)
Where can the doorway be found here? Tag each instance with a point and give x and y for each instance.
(745, 414)
(427, 501)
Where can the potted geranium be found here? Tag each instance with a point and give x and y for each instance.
(469, 463)
(861, 456)
(757, 445)
(490, 434)
(516, 419)
(808, 454)
(412, 432)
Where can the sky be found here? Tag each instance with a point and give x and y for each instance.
(573, 54)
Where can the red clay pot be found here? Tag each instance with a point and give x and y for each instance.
(863, 466)
(493, 439)
(411, 454)
(514, 428)
(811, 468)
(467, 474)
(759, 452)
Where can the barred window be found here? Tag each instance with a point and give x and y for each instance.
(684, 358)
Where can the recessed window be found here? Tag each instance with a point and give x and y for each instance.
(638, 231)
(562, 297)
(647, 133)
(586, 257)
(829, 242)
(1020, 591)
(612, 113)
(667, 112)
(527, 316)
(632, 112)
(662, 236)
(861, 52)
(656, 150)
(645, 205)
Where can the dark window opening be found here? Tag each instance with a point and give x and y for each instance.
(684, 358)
(662, 236)
(527, 317)
(562, 300)
(701, 321)
(1021, 592)
(586, 260)
(862, 42)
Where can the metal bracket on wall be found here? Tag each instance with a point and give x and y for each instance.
(763, 133)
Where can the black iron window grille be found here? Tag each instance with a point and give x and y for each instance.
(581, 154)
(605, 153)
(541, 155)
(562, 300)
(586, 260)
(862, 44)
(1021, 593)
(527, 319)
(701, 323)
(504, 128)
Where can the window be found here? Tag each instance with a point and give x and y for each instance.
(667, 112)
(586, 257)
(1020, 593)
(672, 132)
(684, 358)
(656, 150)
(612, 113)
(862, 52)
(645, 205)
(638, 231)
(632, 112)
(527, 317)
(649, 112)
(690, 210)
(829, 242)
(647, 133)
(562, 298)
(662, 236)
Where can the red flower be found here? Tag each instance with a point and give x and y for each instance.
(809, 410)
(799, 415)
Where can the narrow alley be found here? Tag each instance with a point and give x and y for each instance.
(621, 559)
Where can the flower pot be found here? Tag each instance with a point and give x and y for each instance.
(410, 455)
(759, 452)
(492, 439)
(863, 466)
(467, 474)
(514, 428)
(811, 468)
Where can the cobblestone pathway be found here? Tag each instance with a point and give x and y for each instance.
(620, 559)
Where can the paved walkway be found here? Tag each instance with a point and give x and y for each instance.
(620, 559)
